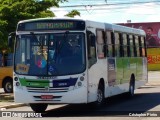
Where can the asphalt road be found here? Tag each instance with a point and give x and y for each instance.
(145, 102)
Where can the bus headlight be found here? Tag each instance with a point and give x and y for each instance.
(79, 84)
(17, 84)
(81, 78)
(16, 79)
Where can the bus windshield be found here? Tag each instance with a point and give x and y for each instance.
(50, 54)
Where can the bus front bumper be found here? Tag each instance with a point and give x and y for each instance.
(75, 96)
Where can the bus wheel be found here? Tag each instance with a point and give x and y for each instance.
(100, 96)
(131, 87)
(8, 85)
(38, 108)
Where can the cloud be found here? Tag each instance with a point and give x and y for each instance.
(148, 12)
(143, 9)
(59, 12)
(153, 18)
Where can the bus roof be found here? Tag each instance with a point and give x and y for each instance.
(106, 26)
(49, 18)
(125, 29)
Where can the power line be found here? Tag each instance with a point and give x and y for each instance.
(105, 8)
(70, 6)
(118, 7)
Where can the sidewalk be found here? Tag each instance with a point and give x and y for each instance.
(7, 100)
(153, 78)
(7, 105)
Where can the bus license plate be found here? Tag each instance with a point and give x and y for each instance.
(46, 97)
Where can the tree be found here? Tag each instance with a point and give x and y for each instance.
(12, 11)
(73, 13)
(3, 34)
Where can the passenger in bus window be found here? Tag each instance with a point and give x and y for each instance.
(151, 42)
(51, 50)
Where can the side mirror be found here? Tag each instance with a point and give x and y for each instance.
(10, 38)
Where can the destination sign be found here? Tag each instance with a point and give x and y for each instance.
(51, 25)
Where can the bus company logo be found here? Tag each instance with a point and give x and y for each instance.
(153, 59)
(47, 88)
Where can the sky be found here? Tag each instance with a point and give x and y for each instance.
(116, 11)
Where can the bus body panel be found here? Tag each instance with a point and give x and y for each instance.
(124, 68)
(153, 52)
(78, 96)
(60, 88)
(115, 71)
(95, 73)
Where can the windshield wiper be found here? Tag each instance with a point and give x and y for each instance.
(63, 41)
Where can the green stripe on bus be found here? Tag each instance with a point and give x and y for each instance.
(34, 83)
(126, 66)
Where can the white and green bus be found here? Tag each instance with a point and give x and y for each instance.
(72, 61)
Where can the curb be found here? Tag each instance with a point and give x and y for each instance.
(12, 106)
(8, 98)
(153, 84)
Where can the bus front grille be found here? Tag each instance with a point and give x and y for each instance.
(47, 90)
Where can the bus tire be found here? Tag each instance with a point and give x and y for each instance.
(100, 96)
(38, 107)
(8, 85)
(131, 87)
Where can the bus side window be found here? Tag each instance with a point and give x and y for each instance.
(101, 44)
(125, 46)
(143, 47)
(131, 45)
(91, 47)
(121, 45)
(117, 45)
(109, 44)
(113, 44)
(134, 47)
(137, 45)
(140, 45)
